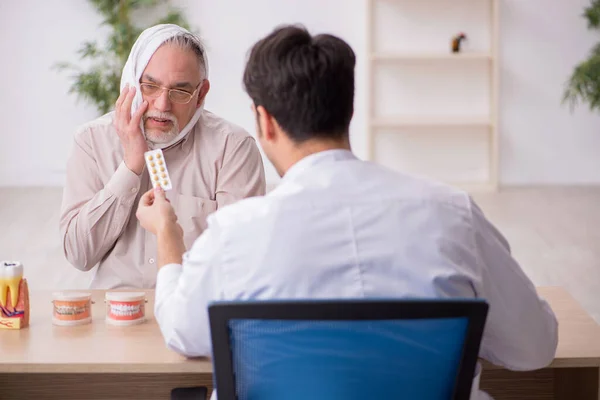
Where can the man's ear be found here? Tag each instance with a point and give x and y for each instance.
(204, 88)
(266, 123)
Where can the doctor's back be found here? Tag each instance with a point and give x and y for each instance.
(337, 227)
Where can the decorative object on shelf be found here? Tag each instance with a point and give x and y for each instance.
(457, 41)
(99, 85)
(14, 296)
(584, 84)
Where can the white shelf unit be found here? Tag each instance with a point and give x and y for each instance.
(430, 121)
(392, 57)
(439, 125)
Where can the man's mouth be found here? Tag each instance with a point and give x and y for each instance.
(160, 121)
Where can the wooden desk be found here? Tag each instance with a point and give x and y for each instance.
(94, 361)
(574, 373)
(100, 361)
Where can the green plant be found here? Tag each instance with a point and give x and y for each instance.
(99, 84)
(584, 83)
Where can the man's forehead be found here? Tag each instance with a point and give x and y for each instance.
(172, 65)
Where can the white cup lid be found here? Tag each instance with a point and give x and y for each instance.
(71, 296)
(125, 296)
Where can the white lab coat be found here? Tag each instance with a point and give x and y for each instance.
(339, 227)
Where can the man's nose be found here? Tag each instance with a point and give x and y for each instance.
(162, 102)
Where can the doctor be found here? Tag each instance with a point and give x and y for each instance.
(337, 226)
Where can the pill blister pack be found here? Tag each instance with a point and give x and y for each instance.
(157, 168)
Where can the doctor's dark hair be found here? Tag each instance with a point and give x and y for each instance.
(305, 82)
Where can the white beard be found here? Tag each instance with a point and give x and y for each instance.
(157, 136)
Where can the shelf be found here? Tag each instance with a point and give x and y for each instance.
(430, 122)
(392, 57)
(431, 55)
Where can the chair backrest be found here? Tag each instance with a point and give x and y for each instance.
(346, 349)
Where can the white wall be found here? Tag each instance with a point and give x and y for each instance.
(540, 141)
(38, 115)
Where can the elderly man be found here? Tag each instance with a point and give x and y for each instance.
(211, 161)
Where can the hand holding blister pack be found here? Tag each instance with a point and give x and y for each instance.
(157, 169)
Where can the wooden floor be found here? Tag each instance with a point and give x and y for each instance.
(554, 233)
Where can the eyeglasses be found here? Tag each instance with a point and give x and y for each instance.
(176, 95)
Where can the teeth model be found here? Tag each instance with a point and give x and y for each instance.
(14, 296)
(11, 274)
(124, 310)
